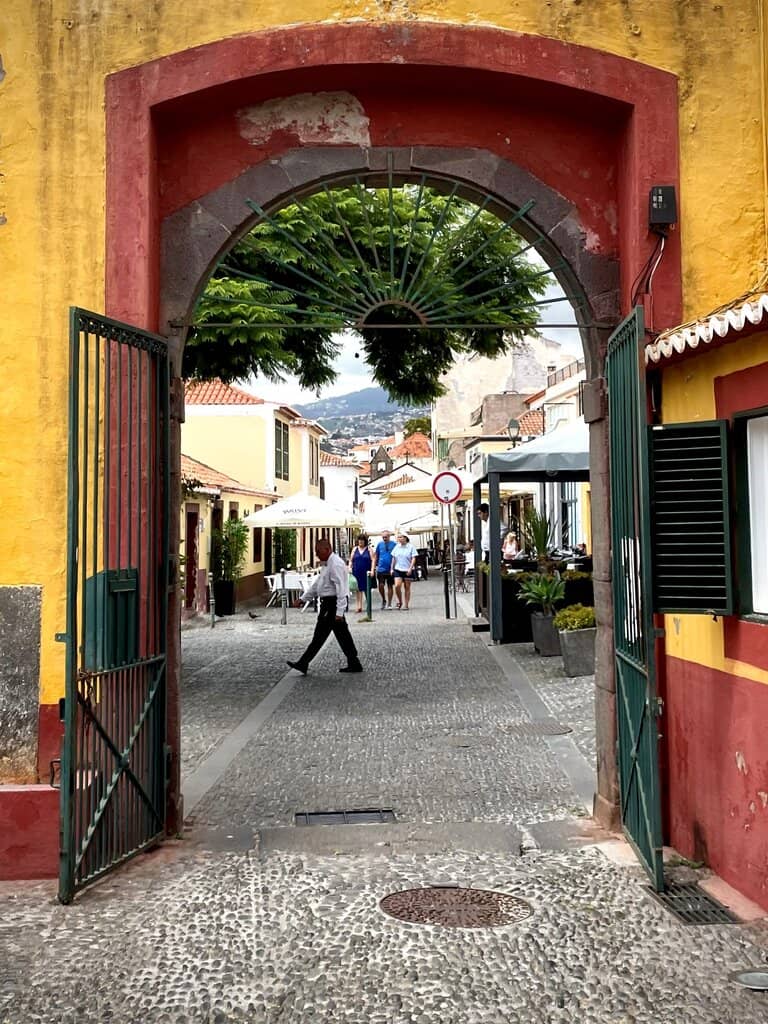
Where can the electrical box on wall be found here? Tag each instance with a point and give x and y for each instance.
(662, 206)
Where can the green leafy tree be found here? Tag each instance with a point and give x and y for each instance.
(417, 425)
(418, 275)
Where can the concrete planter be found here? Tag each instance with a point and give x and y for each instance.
(546, 638)
(578, 648)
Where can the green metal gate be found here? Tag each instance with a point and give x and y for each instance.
(637, 703)
(113, 756)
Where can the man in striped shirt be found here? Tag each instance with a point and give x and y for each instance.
(332, 589)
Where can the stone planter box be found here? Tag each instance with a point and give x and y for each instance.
(578, 649)
(546, 638)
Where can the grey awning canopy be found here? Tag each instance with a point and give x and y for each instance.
(562, 454)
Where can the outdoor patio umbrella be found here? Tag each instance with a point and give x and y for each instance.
(421, 490)
(299, 511)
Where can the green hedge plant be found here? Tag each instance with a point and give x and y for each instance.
(575, 616)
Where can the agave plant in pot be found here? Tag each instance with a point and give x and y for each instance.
(576, 626)
(538, 537)
(230, 545)
(545, 591)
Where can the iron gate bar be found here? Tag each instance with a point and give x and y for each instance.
(399, 327)
(121, 756)
(113, 754)
(357, 292)
(637, 744)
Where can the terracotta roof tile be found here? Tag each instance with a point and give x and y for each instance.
(416, 445)
(212, 480)
(216, 392)
(404, 479)
(331, 459)
(532, 423)
(724, 323)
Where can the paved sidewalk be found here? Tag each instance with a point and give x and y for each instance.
(249, 918)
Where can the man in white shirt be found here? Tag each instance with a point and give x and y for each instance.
(484, 512)
(332, 589)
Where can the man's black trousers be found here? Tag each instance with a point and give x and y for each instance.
(327, 623)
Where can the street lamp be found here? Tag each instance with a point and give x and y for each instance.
(513, 431)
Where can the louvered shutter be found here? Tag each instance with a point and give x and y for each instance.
(690, 520)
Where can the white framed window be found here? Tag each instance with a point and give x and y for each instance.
(757, 491)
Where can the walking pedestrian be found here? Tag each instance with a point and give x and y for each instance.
(403, 560)
(331, 586)
(360, 567)
(381, 570)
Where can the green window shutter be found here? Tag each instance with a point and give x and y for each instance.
(279, 450)
(690, 520)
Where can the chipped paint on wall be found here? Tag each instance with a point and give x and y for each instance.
(320, 118)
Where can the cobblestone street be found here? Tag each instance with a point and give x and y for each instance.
(250, 918)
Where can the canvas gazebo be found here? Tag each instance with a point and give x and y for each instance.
(559, 456)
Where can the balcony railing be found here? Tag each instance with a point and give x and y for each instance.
(565, 372)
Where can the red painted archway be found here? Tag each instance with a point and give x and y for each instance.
(589, 131)
(597, 129)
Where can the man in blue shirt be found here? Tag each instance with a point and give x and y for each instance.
(381, 570)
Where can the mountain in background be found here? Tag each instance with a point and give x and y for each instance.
(365, 413)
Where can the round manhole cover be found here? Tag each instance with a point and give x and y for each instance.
(452, 907)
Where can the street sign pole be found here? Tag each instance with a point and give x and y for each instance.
(452, 528)
(447, 488)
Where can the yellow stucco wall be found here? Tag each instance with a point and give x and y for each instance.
(56, 56)
(235, 445)
(688, 395)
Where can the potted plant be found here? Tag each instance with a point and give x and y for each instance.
(538, 537)
(576, 626)
(231, 544)
(545, 591)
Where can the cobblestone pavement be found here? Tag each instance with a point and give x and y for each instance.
(571, 700)
(250, 919)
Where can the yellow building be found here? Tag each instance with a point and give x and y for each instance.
(208, 498)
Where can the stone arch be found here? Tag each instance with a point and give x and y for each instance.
(195, 237)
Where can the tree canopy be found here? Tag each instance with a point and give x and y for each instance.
(417, 424)
(420, 276)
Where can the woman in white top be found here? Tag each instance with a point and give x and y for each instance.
(509, 549)
(403, 561)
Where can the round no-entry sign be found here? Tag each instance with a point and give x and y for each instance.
(447, 487)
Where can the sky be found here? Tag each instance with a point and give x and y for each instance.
(353, 373)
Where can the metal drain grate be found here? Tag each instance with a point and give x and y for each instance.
(369, 816)
(692, 905)
(542, 727)
(453, 907)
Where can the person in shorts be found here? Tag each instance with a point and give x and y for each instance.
(403, 562)
(381, 569)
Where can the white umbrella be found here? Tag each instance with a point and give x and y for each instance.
(298, 511)
(421, 490)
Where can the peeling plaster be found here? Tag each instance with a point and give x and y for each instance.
(321, 118)
(741, 762)
(2, 69)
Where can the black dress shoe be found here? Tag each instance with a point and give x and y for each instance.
(352, 668)
(298, 666)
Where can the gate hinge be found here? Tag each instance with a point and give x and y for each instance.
(659, 632)
(61, 638)
(658, 706)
